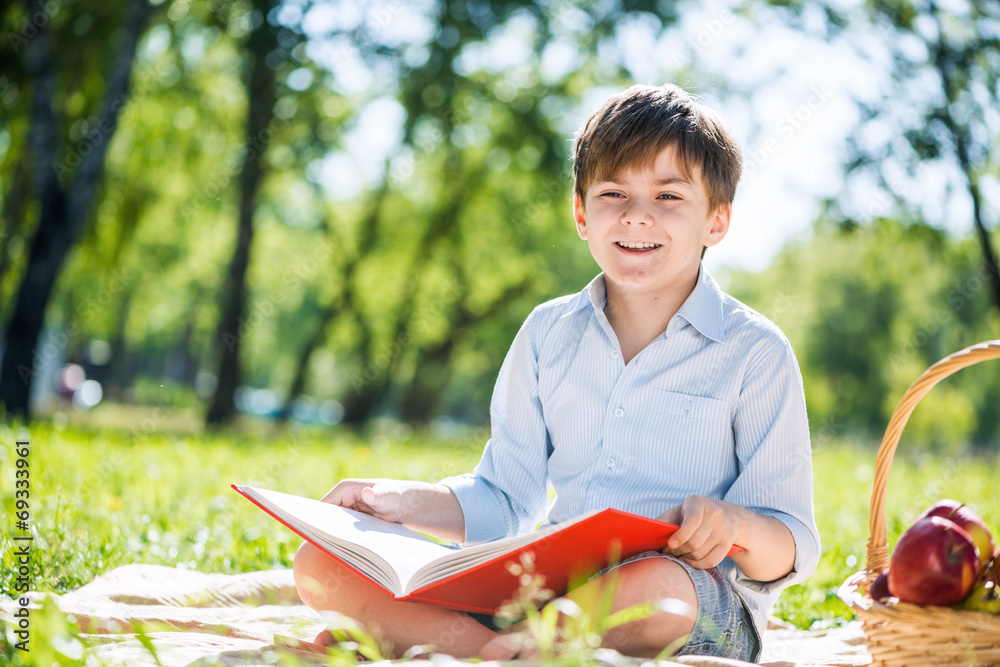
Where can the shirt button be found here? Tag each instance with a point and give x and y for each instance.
(614, 354)
(610, 463)
(619, 412)
(687, 405)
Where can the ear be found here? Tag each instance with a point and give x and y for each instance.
(580, 215)
(720, 225)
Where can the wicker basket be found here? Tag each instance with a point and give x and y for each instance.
(907, 634)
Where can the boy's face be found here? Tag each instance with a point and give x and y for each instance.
(646, 227)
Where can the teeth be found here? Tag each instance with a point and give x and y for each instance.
(634, 245)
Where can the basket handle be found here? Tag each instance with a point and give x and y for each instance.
(878, 548)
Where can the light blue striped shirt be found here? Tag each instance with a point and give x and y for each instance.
(714, 406)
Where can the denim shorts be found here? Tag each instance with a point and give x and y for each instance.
(724, 627)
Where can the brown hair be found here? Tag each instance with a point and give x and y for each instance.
(636, 125)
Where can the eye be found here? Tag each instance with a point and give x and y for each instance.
(616, 195)
(669, 196)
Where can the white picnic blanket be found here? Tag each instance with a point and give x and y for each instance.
(194, 618)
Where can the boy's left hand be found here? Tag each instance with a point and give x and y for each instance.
(708, 530)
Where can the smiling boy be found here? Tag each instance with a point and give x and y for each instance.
(650, 391)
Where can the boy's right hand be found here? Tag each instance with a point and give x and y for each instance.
(423, 506)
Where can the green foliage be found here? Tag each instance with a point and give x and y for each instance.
(52, 638)
(868, 309)
(413, 287)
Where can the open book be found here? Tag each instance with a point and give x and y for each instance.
(409, 566)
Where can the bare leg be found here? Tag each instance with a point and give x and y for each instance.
(642, 581)
(326, 585)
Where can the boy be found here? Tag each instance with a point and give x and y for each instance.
(650, 391)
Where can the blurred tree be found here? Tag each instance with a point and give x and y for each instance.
(262, 49)
(400, 299)
(64, 178)
(939, 109)
(488, 146)
(962, 46)
(869, 308)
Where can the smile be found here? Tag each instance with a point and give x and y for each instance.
(636, 245)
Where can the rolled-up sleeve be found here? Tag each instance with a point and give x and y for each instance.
(771, 431)
(507, 492)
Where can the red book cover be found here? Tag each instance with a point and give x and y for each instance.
(566, 554)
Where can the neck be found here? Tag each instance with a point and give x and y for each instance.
(639, 316)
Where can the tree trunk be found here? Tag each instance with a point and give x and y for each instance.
(430, 379)
(63, 213)
(364, 398)
(989, 256)
(434, 366)
(14, 205)
(121, 356)
(378, 378)
(232, 328)
(366, 387)
(945, 59)
(302, 366)
(358, 405)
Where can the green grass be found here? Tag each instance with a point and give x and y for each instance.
(100, 498)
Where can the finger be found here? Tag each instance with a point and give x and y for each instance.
(672, 515)
(375, 500)
(346, 493)
(699, 544)
(336, 494)
(692, 512)
(710, 559)
(698, 553)
(382, 501)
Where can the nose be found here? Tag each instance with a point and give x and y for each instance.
(636, 213)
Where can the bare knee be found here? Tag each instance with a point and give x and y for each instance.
(655, 580)
(314, 574)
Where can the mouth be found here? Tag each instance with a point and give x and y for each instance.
(640, 246)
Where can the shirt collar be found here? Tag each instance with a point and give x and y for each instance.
(702, 309)
(595, 293)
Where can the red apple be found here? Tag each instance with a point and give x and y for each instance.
(880, 587)
(970, 522)
(934, 562)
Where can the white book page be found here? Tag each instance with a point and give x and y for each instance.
(469, 557)
(355, 536)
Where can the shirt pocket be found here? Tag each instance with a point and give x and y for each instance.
(690, 440)
(698, 408)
